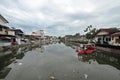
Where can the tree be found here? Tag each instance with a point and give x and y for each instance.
(77, 35)
(59, 37)
(88, 28)
(90, 32)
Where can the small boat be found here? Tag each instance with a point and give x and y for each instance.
(86, 49)
(14, 43)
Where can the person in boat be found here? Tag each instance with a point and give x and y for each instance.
(91, 47)
(83, 47)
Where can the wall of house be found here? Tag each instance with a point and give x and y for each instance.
(2, 22)
(3, 31)
(116, 40)
(11, 33)
(40, 33)
(102, 33)
(107, 38)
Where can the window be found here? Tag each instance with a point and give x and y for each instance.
(112, 38)
(106, 39)
(0, 28)
(109, 39)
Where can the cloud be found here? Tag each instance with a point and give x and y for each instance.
(60, 17)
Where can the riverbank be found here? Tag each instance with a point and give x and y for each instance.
(111, 50)
(103, 48)
(4, 48)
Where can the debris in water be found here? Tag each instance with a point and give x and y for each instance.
(86, 76)
(19, 63)
(73, 71)
(52, 77)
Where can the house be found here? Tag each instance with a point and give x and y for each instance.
(115, 39)
(7, 35)
(19, 36)
(3, 26)
(3, 30)
(18, 32)
(34, 33)
(11, 32)
(104, 36)
(68, 37)
(3, 21)
(4, 38)
(39, 35)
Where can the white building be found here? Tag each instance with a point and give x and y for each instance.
(40, 33)
(11, 32)
(3, 21)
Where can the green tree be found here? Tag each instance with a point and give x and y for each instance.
(76, 35)
(88, 28)
(90, 32)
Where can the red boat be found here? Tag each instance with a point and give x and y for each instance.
(88, 48)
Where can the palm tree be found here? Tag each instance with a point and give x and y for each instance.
(88, 28)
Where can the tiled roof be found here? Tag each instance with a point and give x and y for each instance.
(109, 30)
(116, 34)
(3, 18)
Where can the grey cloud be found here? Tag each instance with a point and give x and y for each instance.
(59, 17)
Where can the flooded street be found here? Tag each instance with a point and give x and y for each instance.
(57, 62)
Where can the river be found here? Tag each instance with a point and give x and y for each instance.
(57, 61)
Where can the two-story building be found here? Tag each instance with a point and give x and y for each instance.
(7, 36)
(3, 26)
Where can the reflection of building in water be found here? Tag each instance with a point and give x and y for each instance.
(90, 58)
(106, 58)
(20, 56)
(6, 58)
(70, 45)
(40, 49)
(20, 53)
(5, 53)
(101, 58)
(5, 61)
(4, 73)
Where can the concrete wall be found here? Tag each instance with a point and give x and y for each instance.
(40, 33)
(11, 33)
(3, 31)
(114, 41)
(102, 33)
(2, 22)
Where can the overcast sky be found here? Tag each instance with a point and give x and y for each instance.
(60, 17)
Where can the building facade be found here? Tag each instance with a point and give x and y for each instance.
(107, 36)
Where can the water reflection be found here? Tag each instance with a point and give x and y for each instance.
(86, 57)
(55, 58)
(101, 57)
(12, 55)
(40, 48)
(109, 59)
(5, 61)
